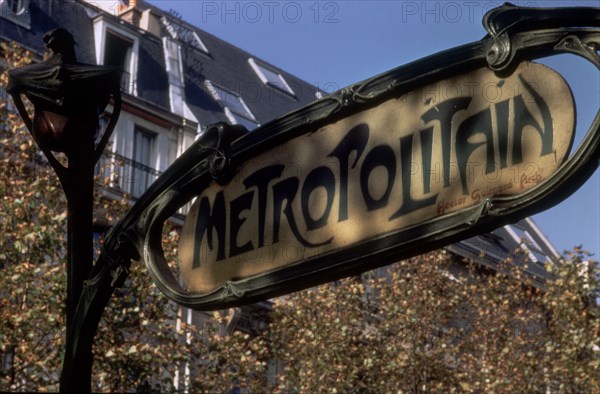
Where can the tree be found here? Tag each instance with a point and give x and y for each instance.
(428, 326)
(32, 280)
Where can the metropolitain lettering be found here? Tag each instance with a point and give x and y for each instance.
(278, 200)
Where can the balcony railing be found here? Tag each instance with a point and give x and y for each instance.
(125, 175)
(126, 82)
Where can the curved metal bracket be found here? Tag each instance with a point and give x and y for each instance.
(220, 165)
(586, 46)
(512, 28)
(499, 53)
(112, 123)
(54, 163)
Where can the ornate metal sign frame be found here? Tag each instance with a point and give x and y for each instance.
(514, 34)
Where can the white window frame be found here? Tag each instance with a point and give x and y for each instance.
(231, 115)
(21, 6)
(175, 76)
(20, 17)
(528, 244)
(101, 29)
(280, 84)
(197, 41)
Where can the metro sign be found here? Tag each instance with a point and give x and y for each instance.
(410, 159)
(432, 152)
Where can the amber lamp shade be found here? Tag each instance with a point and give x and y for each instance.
(60, 132)
(67, 101)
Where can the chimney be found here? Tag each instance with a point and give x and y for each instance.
(150, 22)
(130, 12)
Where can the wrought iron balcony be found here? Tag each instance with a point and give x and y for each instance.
(125, 175)
(126, 82)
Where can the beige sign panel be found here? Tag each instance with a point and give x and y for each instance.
(410, 159)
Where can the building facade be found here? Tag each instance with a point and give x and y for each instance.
(176, 78)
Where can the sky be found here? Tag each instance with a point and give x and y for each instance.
(333, 44)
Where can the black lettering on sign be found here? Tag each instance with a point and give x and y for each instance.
(524, 118)
(207, 221)
(320, 177)
(379, 156)
(261, 180)
(367, 172)
(444, 112)
(354, 141)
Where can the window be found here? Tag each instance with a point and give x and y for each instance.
(234, 106)
(16, 6)
(270, 77)
(117, 45)
(118, 52)
(528, 244)
(16, 11)
(184, 35)
(175, 72)
(142, 168)
(173, 60)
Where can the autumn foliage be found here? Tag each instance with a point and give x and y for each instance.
(431, 325)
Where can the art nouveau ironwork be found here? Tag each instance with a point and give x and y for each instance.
(68, 98)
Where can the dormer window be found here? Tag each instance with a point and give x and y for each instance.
(271, 77)
(118, 47)
(117, 52)
(173, 58)
(16, 6)
(16, 11)
(174, 67)
(527, 244)
(186, 36)
(234, 106)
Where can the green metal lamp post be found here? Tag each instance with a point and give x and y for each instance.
(68, 98)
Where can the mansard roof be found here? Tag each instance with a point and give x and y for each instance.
(228, 66)
(223, 65)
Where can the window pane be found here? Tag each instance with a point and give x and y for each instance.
(183, 34)
(270, 77)
(233, 101)
(249, 124)
(143, 147)
(16, 6)
(117, 52)
(142, 168)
